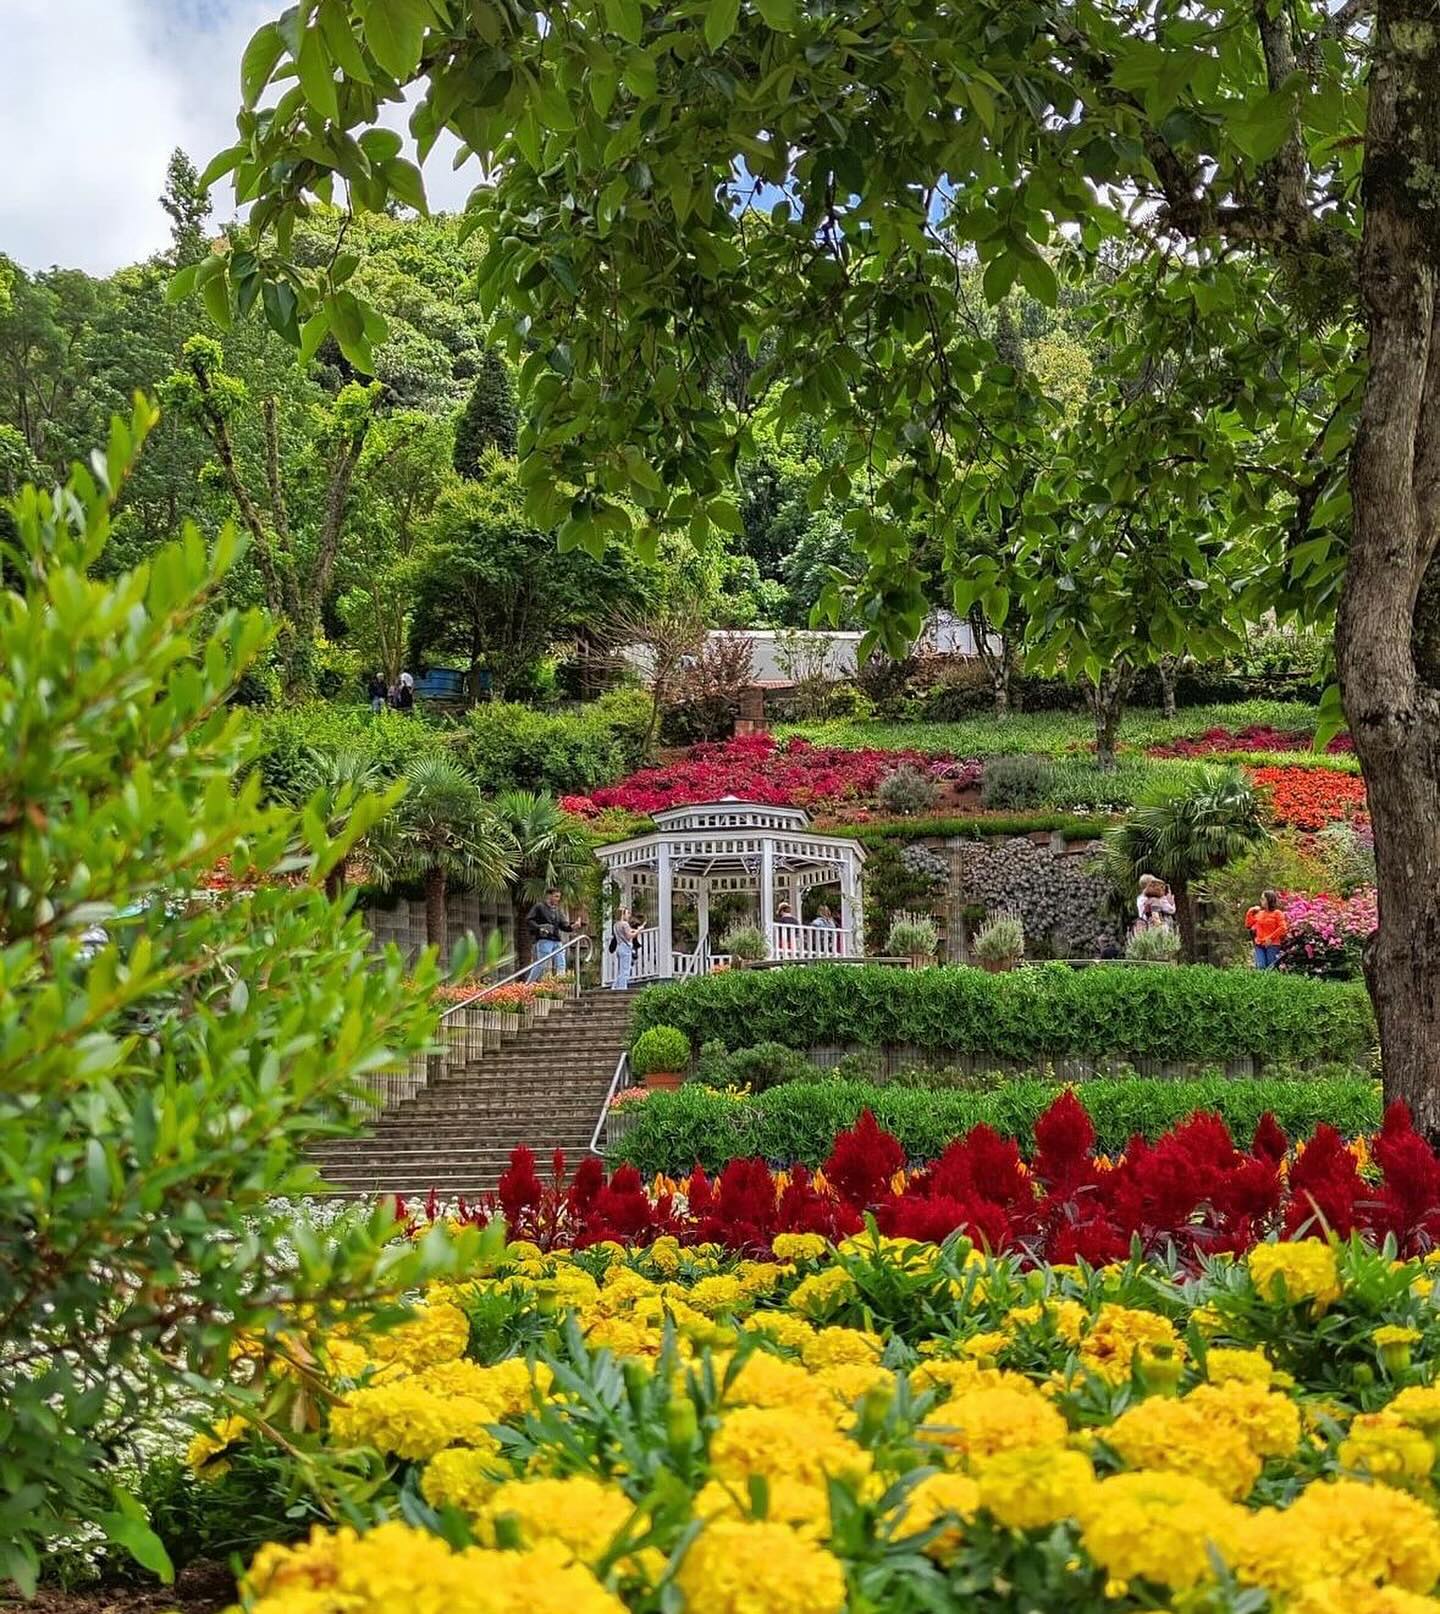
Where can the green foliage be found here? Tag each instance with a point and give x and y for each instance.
(1000, 940)
(443, 830)
(746, 944)
(159, 1074)
(1285, 862)
(293, 735)
(766, 1065)
(797, 1122)
(1017, 781)
(1030, 1014)
(1156, 944)
(912, 935)
(1053, 734)
(508, 746)
(489, 420)
(659, 1048)
(973, 828)
(551, 848)
(907, 791)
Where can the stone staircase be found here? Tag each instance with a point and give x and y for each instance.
(543, 1086)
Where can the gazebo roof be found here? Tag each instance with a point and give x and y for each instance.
(730, 812)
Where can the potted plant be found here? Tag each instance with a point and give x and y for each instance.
(660, 1056)
(999, 945)
(1157, 944)
(913, 936)
(746, 944)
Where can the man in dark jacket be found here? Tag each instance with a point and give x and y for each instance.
(547, 922)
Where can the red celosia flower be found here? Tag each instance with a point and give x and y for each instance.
(1269, 1142)
(1064, 1139)
(863, 1160)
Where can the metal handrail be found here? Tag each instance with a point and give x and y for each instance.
(702, 952)
(582, 941)
(617, 1085)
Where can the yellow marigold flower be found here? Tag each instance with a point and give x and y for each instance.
(1389, 1449)
(1269, 1421)
(664, 1255)
(937, 1497)
(1226, 1364)
(956, 1376)
(509, 1386)
(212, 1443)
(1158, 1527)
(1344, 1530)
(848, 1382)
(802, 1505)
(578, 1512)
(345, 1358)
(622, 1288)
(522, 1250)
(1067, 1318)
(1031, 1489)
(1118, 1333)
(1394, 1342)
(714, 1296)
(769, 1381)
(463, 1477)
(798, 1246)
(758, 1277)
(985, 1347)
(1419, 1405)
(1177, 1437)
(1347, 1597)
(407, 1419)
(790, 1333)
(773, 1441)
(822, 1294)
(734, 1567)
(977, 1424)
(1208, 1320)
(623, 1336)
(836, 1347)
(395, 1566)
(436, 1333)
(1304, 1270)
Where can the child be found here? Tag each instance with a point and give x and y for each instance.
(1155, 905)
(1269, 927)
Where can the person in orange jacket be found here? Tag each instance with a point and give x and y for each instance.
(1269, 927)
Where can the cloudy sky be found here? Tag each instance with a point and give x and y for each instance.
(97, 95)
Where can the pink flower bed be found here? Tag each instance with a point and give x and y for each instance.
(1327, 933)
(756, 768)
(1258, 737)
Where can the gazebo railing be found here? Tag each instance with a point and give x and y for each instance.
(802, 943)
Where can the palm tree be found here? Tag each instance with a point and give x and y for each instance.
(1180, 832)
(551, 849)
(442, 830)
(339, 778)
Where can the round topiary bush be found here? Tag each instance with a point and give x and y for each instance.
(661, 1049)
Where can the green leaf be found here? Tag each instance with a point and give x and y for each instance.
(182, 283)
(334, 19)
(395, 33)
(141, 1542)
(216, 295)
(777, 14)
(258, 62)
(317, 75)
(721, 17)
(406, 184)
(312, 333)
(999, 277)
(626, 18)
(1038, 278)
(281, 309)
(222, 163)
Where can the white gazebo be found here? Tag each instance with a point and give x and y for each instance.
(733, 846)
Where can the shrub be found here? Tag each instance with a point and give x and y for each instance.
(660, 1048)
(907, 791)
(798, 1122)
(512, 747)
(1000, 940)
(1348, 854)
(760, 1068)
(912, 935)
(293, 736)
(1016, 782)
(1158, 944)
(1034, 1014)
(746, 944)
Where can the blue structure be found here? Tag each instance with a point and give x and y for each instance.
(446, 684)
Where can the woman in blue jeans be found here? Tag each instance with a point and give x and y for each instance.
(624, 933)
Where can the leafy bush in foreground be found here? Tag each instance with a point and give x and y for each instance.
(1037, 1014)
(797, 1122)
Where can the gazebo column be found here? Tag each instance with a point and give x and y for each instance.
(767, 891)
(851, 942)
(665, 917)
(702, 911)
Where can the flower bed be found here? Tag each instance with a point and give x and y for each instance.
(884, 1424)
(757, 768)
(1310, 798)
(1328, 934)
(1256, 737)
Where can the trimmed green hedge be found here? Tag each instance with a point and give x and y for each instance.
(671, 1132)
(1193, 1012)
(982, 827)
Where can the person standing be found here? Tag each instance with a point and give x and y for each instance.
(827, 945)
(623, 935)
(402, 697)
(1269, 927)
(379, 694)
(547, 922)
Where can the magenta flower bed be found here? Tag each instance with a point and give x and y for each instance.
(756, 768)
(1327, 933)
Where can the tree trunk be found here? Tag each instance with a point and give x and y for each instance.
(1168, 668)
(1000, 684)
(1185, 920)
(436, 932)
(335, 880)
(1387, 643)
(524, 946)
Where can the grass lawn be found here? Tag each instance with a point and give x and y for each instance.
(1054, 733)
